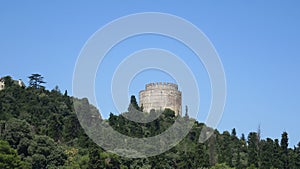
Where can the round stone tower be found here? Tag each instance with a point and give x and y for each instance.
(159, 96)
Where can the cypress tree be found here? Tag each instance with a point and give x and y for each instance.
(252, 149)
(284, 150)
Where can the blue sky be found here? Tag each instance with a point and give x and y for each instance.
(257, 42)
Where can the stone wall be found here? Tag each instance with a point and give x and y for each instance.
(159, 96)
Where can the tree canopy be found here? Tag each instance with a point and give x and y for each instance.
(36, 80)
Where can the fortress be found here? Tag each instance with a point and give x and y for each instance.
(159, 96)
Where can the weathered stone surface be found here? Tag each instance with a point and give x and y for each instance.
(159, 96)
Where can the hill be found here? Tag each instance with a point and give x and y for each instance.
(39, 129)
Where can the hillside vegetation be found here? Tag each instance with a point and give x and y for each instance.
(39, 129)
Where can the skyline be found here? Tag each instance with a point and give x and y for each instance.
(258, 44)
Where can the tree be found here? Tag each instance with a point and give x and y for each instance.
(169, 113)
(297, 156)
(8, 156)
(253, 149)
(202, 155)
(45, 152)
(133, 104)
(242, 158)
(236, 149)
(15, 131)
(284, 150)
(8, 81)
(38, 161)
(54, 127)
(243, 137)
(36, 81)
(277, 163)
(233, 132)
(66, 93)
(225, 148)
(94, 156)
(266, 155)
(71, 128)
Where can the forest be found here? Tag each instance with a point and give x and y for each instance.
(40, 129)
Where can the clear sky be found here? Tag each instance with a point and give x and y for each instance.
(257, 42)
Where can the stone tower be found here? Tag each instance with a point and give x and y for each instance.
(159, 96)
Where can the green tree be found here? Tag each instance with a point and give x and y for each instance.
(235, 144)
(8, 81)
(55, 127)
(233, 132)
(38, 161)
(45, 152)
(94, 158)
(202, 155)
(266, 155)
(36, 80)
(16, 130)
(284, 150)
(242, 153)
(9, 157)
(169, 113)
(277, 163)
(225, 148)
(71, 127)
(133, 106)
(297, 156)
(253, 149)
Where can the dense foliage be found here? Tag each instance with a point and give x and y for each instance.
(39, 129)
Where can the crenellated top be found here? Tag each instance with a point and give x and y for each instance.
(161, 85)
